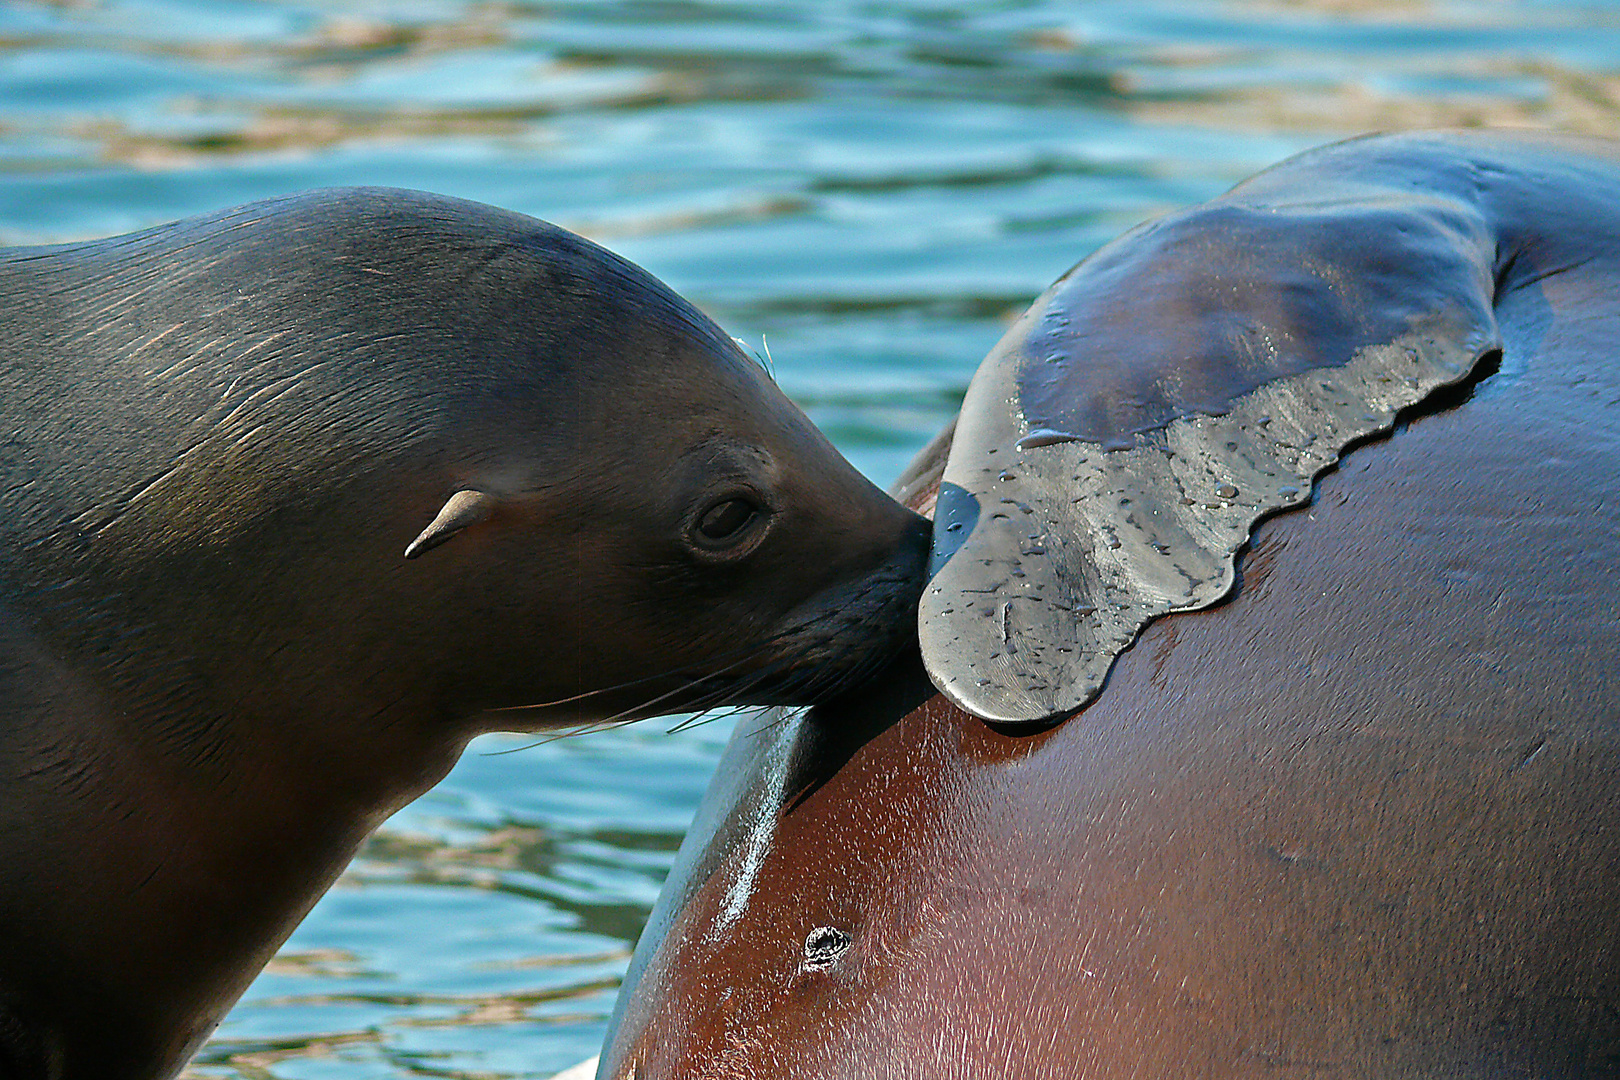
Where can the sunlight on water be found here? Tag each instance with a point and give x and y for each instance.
(867, 191)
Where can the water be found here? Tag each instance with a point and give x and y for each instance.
(866, 191)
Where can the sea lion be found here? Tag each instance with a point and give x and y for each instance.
(1360, 821)
(302, 495)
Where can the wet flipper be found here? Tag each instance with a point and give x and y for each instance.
(1118, 446)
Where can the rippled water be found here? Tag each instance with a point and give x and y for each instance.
(867, 191)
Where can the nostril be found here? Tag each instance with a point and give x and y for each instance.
(824, 946)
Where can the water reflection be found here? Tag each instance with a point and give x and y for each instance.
(865, 189)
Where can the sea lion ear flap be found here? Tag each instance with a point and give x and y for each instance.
(464, 508)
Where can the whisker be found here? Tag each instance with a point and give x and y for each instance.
(784, 714)
(710, 696)
(753, 680)
(719, 697)
(715, 695)
(744, 654)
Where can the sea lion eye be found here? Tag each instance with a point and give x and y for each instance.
(727, 521)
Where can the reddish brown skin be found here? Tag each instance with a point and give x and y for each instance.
(1362, 821)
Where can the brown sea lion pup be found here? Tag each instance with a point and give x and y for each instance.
(300, 496)
(1361, 821)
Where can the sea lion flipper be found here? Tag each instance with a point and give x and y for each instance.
(464, 508)
(1116, 448)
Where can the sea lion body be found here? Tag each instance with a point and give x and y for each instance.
(1361, 821)
(219, 669)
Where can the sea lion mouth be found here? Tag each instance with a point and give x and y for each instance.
(824, 647)
(813, 660)
(845, 637)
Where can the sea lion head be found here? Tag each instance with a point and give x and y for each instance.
(432, 455)
(685, 536)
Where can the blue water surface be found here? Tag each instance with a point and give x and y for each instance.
(865, 190)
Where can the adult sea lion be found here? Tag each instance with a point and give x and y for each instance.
(1362, 821)
(302, 495)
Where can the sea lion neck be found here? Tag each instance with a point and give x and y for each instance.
(211, 841)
